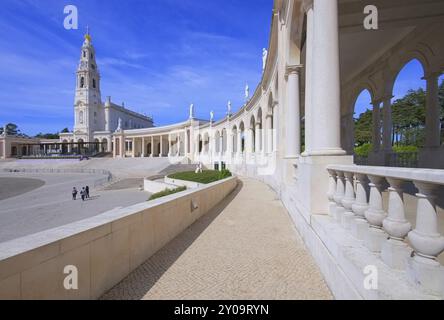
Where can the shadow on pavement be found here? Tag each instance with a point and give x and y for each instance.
(141, 280)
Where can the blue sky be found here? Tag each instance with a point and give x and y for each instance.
(158, 56)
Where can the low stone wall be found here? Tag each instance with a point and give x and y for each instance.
(103, 249)
(156, 186)
(183, 183)
(108, 177)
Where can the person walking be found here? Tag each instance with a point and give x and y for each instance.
(74, 193)
(87, 192)
(83, 194)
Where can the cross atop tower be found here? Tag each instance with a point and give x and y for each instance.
(87, 35)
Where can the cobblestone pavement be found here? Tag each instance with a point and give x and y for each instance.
(245, 248)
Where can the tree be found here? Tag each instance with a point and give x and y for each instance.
(48, 136)
(408, 117)
(363, 128)
(11, 129)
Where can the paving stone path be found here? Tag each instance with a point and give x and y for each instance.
(245, 248)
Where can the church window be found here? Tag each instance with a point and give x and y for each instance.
(94, 83)
(92, 57)
(81, 117)
(82, 82)
(84, 54)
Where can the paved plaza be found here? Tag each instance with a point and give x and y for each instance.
(49, 203)
(245, 248)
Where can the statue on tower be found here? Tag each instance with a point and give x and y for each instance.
(212, 116)
(247, 92)
(229, 108)
(192, 111)
(119, 125)
(264, 58)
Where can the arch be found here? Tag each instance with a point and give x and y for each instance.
(360, 142)
(104, 145)
(96, 145)
(413, 132)
(419, 55)
(242, 136)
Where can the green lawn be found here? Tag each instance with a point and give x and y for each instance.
(205, 177)
(166, 192)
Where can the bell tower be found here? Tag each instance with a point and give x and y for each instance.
(88, 106)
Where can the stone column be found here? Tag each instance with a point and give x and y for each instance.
(339, 195)
(433, 125)
(269, 133)
(122, 146)
(133, 149)
(152, 147)
(293, 115)
(308, 76)
(143, 147)
(424, 269)
(257, 139)
(360, 226)
(395, 251)
(375, 215)
(107, 120)
(192, 141)
(169, 145)
(388, 124)
(161, 147)
(239, 143)
(348, 200)
(331, 193)
(230, 144)
(187, 142)
(376, 136)
(326, 123)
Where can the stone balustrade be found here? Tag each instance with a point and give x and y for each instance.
(356, 202)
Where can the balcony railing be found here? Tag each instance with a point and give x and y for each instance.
(356, 203)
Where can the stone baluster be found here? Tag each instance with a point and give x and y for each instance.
(395, 250)
(331, 192)
(339, 195)
(375, 215)
(348, 200)
(360, 225)
(424, 269)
